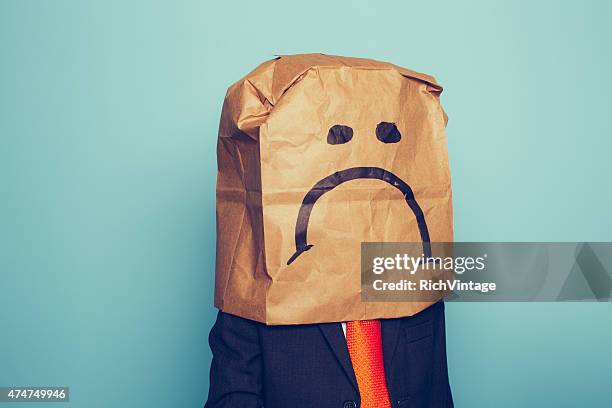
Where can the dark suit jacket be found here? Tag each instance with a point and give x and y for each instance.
(306, 366)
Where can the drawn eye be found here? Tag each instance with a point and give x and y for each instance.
(339, 134)
(387, 132)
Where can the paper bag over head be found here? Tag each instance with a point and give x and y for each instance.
(317, 154)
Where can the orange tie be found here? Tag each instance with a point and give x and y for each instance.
(364, 341)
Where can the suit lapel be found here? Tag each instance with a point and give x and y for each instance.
(335, 338)
(390, 333)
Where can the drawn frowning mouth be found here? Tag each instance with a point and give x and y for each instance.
(333, 180)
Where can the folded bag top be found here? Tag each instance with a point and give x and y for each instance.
(317, 154)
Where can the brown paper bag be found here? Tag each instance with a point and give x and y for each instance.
(316, 154)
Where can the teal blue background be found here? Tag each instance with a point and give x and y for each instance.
(108, 119)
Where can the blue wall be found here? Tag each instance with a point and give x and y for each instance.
(108, 119)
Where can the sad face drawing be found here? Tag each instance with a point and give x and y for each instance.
(347, 157)
(386, 132)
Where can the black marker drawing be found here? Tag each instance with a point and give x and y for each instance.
(387, 132)
(333, 180)
(339, 134)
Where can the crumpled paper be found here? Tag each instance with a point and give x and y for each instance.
(317, 154)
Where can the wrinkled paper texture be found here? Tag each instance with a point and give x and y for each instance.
(273, 154)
